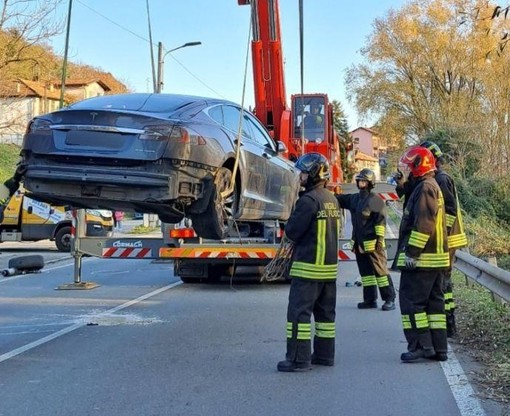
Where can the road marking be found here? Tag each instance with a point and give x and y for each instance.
(463, 393)
(31, 345)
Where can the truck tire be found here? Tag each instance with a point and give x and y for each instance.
(192, 279)
(27, 263)
(63, 239)
(214, 275)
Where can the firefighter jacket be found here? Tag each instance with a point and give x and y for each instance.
(314, 227)
(454, 225)
(422, 233)
(368, 213)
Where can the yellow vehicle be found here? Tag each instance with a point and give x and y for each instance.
(26, 219)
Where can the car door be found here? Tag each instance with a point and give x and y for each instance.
(253, 166)
(281, 182)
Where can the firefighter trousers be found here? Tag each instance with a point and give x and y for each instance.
(307, 298)
(449, 300)
(422, 308)
(373, 268)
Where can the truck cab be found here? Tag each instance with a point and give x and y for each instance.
(27, 219)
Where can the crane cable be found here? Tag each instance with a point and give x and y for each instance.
(301, 71)
(224, 194)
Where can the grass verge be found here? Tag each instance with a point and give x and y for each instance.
(484, 333)
(9, 155)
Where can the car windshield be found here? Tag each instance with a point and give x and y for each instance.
(152, 103)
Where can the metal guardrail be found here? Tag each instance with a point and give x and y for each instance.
(489, 276)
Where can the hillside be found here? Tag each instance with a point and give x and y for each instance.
(9, 155)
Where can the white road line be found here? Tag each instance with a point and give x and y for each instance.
(27, 347)
(462, 391)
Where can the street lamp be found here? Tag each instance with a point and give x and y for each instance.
(161, 60)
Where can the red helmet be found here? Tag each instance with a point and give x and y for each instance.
(420, 160)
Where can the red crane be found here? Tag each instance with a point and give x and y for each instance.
(307, 125)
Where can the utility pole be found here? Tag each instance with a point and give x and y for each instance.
(161, 61)
(64, 64)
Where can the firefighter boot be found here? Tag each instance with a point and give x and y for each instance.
(389, 305)
(290, 366)
(410, 356)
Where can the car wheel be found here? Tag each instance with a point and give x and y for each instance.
(215, 222)
(63, 239)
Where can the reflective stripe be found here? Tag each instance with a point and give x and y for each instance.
(437, 321)
(289, 329)
(325, 329)
(304, 331)
(421, 320)
(369, 245)
(320, 254)
(383, 281)
(380, 230)
(457, 240)
(428, 260)
(406, 322)
(313, 271)
(440, 226)
(450, 220)
(418, 239)
(367, 281)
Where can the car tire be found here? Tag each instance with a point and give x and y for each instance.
(215, 222)
(63, 239)
(27, 263)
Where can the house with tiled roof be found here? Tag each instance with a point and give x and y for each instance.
(80, 89)
(21, 100)
(368, 149)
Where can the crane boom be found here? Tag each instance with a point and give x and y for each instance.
(307, 125)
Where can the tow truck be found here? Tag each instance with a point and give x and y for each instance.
(199, 260)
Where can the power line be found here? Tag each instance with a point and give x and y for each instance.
(148, 41)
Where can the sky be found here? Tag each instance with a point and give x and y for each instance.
(113, 35)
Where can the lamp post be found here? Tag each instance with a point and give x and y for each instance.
(161, 60)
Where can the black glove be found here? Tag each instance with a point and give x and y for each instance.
(410, 263)
(399, 177)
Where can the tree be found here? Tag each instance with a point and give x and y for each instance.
(341, 126)
(426, 70)
(24, 24)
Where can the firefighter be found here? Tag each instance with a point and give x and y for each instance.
(423, 258)
(368, 215)
(455, 228)
(313, 227)
(7, 189)
(314, 120)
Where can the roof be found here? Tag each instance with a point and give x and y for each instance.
(26, 88)
(366, 129)
(364, 156)
(83, 82)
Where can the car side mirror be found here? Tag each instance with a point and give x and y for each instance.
(281, 148)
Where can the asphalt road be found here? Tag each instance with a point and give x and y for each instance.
(143, 344)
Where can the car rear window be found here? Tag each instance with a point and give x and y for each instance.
(153, 103)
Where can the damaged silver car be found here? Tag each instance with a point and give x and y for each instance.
(173, 155)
